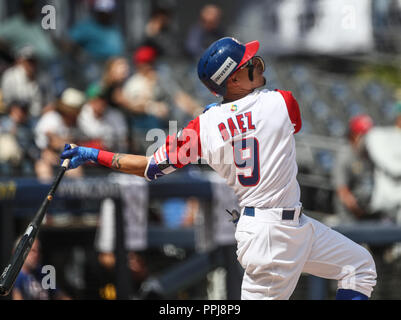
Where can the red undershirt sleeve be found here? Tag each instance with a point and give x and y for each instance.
(185, 147)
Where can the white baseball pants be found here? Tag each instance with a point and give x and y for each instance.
(274, 253)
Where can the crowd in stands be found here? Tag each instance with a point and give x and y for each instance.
(88, 86)
(91, 88)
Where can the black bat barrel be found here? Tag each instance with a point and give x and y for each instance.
(12, 270)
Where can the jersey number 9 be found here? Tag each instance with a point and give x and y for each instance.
(246, 158)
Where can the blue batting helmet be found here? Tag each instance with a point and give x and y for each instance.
(222, 59)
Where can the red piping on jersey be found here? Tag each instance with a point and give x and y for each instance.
(176, 148)
(293, 109)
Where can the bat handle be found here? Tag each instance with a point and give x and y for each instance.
(66, 162)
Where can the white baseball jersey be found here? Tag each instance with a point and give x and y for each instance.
(250, 143)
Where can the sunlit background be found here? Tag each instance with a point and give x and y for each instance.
(102, 73)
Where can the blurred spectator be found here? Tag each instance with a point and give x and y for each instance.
(384, 146)
(353, 173)
(101, 272)
(101, 275)
(25, 29)
(111, 85)
(17, 147)
(54, 129)
(115, 74)
(28, 285)
(103, 127)
(155, 93)
(20, 81)
(161, 33)
(99, 36)
(161, 97)
(205, 31)
(143, 88)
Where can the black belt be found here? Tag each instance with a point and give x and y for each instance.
(287, 214)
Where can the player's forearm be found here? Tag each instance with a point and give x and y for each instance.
(127, 163)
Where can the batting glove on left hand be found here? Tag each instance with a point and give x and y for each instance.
(79, 155)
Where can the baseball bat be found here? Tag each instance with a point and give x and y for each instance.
(17, 260)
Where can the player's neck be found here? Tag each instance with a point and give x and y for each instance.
(234, 96)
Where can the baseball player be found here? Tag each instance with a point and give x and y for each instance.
(248, 139)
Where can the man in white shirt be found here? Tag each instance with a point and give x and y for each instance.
(384, 146)
(54, 128)
(107, 125)
(19, 82)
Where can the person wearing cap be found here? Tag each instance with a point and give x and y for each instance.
(160, 97)
(143, 86)
(98, 35)
(54, 128)
(151, 108)
(353, 174)
(384, 146)
(20, 81)
(247, 137)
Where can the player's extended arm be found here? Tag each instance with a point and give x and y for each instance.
(127, 163)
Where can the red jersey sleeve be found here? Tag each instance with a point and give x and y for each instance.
(293, 109)
(185, 147)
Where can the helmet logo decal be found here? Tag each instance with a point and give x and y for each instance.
(225, 69)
